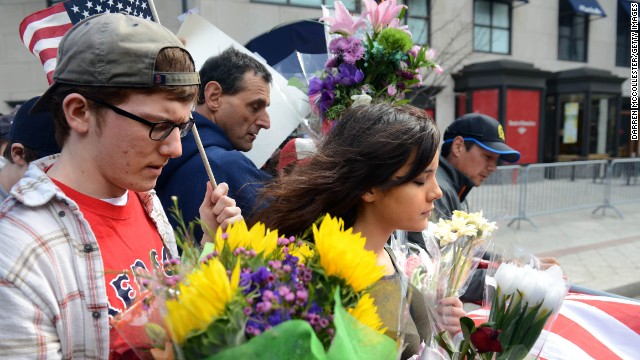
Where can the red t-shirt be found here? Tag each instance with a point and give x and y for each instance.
(128, 239)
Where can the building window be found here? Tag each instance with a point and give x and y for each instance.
(417, 17)
(492, 26)
(352, 5)
(623, 38)
(573, 28)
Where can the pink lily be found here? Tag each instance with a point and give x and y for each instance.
(381, 15)
(395, 23)
(430, 54)
(343, 23)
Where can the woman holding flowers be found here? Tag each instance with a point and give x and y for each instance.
(375, 170)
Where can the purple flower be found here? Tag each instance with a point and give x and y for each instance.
(349, 49)
(324, 322)
(267, 295)
(331, 62)
(263, 307)
(302, 296)
(325, 89)
(349, 75)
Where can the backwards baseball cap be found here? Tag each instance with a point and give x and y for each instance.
(296, 150)
(484, 131)
(35, 131)
(114, 50)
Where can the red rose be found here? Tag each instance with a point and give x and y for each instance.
(485, 339)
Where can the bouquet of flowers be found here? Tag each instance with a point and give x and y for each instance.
(371, 57)
(462, 241)
(252, 294)
(525, 302)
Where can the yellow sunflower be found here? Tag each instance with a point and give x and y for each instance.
(342, 254)
(202, 297)
(259, 238)
(367, 313)
(302, 252)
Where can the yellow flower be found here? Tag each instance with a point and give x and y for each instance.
(202, 297)
(448, 231)
(342, 254)
(238, 235)
(303, 252)
(367, 313)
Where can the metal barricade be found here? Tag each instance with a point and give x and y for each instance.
(556, 187)
(517, 193)
(622, 184)
(499, 196)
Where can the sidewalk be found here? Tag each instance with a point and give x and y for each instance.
(595, 251)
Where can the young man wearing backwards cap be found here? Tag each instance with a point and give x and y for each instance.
(31, 137)
(78, 224)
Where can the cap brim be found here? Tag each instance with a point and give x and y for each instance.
(43, 104)
(506, 153)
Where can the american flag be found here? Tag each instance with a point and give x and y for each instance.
(589, 327)
(42, 31)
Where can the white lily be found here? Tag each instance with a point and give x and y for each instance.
(362, 99)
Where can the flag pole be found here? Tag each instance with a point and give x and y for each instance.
(196, 135)
(203, 156)
(152, 7)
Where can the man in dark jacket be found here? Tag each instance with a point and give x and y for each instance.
(232, 109)
(472, 146)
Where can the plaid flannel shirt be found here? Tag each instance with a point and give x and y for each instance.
(52, 286)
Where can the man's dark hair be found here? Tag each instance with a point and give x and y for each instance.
(228, 69)
(446, 147)
(29, 153)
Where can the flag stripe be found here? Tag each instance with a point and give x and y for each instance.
(50, 65)
(57, 31)
(622, 310)
(47, 55)
(558, 348)
(55, 15)
(45, 44)
(608, 330)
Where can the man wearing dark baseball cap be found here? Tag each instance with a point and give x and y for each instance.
(484, 131)
(472, 146)
(78, 223)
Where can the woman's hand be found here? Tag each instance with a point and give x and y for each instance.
(450, 311)
(217, 210)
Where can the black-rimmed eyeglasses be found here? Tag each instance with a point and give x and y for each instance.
(159, 130)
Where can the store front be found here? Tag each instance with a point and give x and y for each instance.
(511, 92)
(583, 115)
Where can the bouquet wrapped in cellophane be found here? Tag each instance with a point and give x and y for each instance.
(454, 248)
(524, 302)
(253, 294)
(370, 57)
(460, 244)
